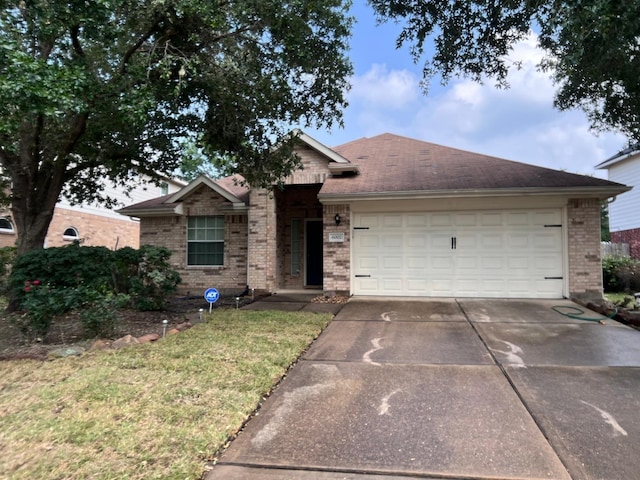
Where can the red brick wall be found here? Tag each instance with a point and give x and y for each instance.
(632, 237)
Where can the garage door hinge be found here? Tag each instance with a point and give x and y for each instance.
(363, 276)
(553, 278)
(361, 228)
(553, 226)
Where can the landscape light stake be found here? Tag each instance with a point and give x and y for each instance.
(164, 328)
(237, 302)
(201, 313)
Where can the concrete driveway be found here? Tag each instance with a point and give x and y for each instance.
(451, 389)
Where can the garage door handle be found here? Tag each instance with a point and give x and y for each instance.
(363, 276)
(454, 243)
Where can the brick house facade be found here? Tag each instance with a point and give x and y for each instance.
(319, 230)
(95, 225)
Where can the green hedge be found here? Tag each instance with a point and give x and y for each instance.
(620, 274)
(95, 280)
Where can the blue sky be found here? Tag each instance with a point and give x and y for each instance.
(519, 123)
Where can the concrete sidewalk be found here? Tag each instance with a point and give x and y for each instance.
(446, 389)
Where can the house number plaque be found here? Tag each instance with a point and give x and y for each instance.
(336, 237)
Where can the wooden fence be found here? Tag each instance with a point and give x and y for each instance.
(609, 249)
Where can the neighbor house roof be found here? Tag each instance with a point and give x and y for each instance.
(401, 167)
(620, 156)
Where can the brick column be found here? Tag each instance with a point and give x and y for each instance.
(585, 263)
(261, 255)
(337, 255)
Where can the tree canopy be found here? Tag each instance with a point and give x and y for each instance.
(110, 89)
(591, 48)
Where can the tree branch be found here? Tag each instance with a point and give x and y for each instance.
(136, 46)
(75, 41)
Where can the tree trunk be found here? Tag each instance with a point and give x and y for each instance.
(32, 207)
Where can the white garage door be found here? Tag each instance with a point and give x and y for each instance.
(516, 254)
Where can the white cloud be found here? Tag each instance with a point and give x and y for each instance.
(381, 88)
(518, 123)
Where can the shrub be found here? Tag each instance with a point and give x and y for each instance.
(99, 314)
(155, 279)
(62, 267)
(41, 303)
(94, 280)
(620, 274)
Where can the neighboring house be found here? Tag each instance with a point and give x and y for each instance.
(389, 216)
(92, 224)
(624, 215)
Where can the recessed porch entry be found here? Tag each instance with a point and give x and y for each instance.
(507, 253)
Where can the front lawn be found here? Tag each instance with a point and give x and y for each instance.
(159, 410)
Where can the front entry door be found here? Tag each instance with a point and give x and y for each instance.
(313, 246)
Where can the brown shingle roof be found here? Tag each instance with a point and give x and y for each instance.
(235, 186)
(391, 163)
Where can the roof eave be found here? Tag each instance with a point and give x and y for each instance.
(161, 211)
(575, 192)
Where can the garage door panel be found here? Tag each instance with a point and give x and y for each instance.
(417, 286)
(494, 254)
(518, 219)
(492, 241)
(393, 285)
(368, 286)
(547, 218)
(545, 240)
(392, 241)
(392, 263)
(416, 263)
(366, 241)
(441, 220)
(438, 241)
(491, 219)
(367, 263)
(493, 263)
(416, 241)
(466, 263)
(442, 263)
(416, 220)
(367, 221)
(392, 221)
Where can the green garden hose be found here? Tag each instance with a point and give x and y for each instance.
(575, 312)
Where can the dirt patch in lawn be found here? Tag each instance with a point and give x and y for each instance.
(66, 331)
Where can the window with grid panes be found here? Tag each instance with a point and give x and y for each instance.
(205, 241)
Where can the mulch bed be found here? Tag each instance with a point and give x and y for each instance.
(67, 330)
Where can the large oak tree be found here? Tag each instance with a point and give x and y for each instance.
(592, 47)
(110, 89)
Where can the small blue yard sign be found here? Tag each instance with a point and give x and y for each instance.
(211, 295)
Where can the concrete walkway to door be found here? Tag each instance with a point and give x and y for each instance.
(451, 389)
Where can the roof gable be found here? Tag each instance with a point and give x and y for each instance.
(232, 189)
(224, 191)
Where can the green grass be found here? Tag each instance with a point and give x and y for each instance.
(150, 411)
